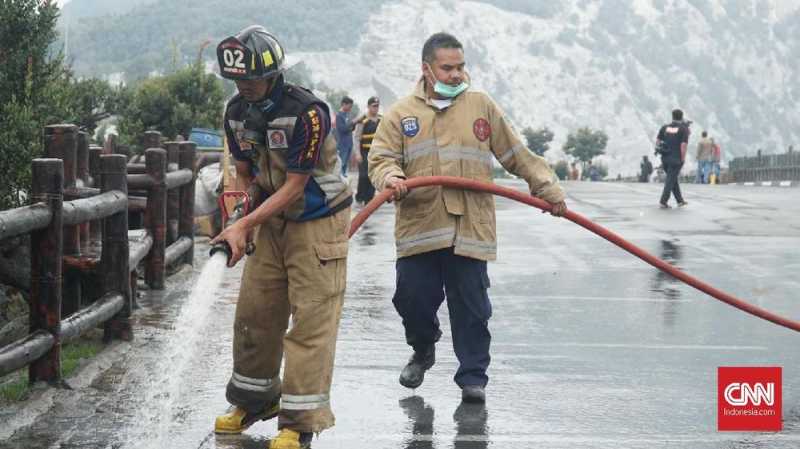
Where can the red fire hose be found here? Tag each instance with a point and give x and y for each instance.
(468, 184)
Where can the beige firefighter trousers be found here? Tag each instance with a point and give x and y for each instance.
(298, 271)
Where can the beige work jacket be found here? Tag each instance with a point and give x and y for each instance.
(417, 139)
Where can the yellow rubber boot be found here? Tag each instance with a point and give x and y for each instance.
(237, 420)
(290, 439)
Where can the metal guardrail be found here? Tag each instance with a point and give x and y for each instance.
(770, 167)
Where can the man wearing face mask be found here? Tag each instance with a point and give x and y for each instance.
(278, 134)
(444, 237)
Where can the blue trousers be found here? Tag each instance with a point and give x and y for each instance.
(344, 155)
(423, 282)
(704, 170)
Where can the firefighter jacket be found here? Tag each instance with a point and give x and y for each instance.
(415, 138)
(297, 139)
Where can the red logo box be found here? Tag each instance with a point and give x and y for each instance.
(749, 398)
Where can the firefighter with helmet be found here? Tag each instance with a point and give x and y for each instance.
(278, 134)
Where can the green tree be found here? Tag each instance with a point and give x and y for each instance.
(538, 140)
(585, 144)
(27, 73)
(84, 102)
(37, 89)
(171, 104)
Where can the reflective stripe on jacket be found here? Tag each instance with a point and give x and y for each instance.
(417, 139)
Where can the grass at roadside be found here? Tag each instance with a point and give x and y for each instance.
(14, 387)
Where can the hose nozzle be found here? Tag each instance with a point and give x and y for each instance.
(224, 247)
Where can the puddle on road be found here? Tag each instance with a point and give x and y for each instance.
(667, 286)
(470, 425)
(663, 283)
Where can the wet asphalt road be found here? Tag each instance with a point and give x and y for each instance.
(592, 348)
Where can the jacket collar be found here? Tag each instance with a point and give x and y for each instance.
(419, 90)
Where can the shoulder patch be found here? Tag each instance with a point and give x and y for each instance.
(410, 126)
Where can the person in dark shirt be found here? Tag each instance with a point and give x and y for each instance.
(647, 169)
(671, 144)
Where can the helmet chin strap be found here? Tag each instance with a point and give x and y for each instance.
(266, 104)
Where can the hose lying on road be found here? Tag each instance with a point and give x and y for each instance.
(468, 184)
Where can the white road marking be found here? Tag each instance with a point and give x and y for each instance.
(536, 298)
(582, 439)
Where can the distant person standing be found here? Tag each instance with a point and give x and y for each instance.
(574, 173)
(344, 132)
(671, 143)
(704, 158)
(716, 160)
(594, 173)
(647, 169)
(366, 126)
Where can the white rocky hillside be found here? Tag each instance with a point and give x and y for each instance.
(617, 65)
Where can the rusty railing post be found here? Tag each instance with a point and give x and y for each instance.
(116, 249)
(188, 151)
(61, 142)
(173, 197)
(82, 173)
(110, 145)
(95, 226)
(124, 150)
(46, 263)
(82, 163)
(151, 139)
(156, 216)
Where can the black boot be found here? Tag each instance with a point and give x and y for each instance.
(414, 372)
(473, 394)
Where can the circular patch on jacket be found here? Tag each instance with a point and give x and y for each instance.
(410, 126)
(482, 129)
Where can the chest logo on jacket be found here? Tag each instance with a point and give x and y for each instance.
(410, 126)
(482, 129)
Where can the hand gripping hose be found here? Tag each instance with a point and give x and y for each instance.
(468, 184)
(239, 211)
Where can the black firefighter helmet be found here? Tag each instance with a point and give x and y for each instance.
(252, 54)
